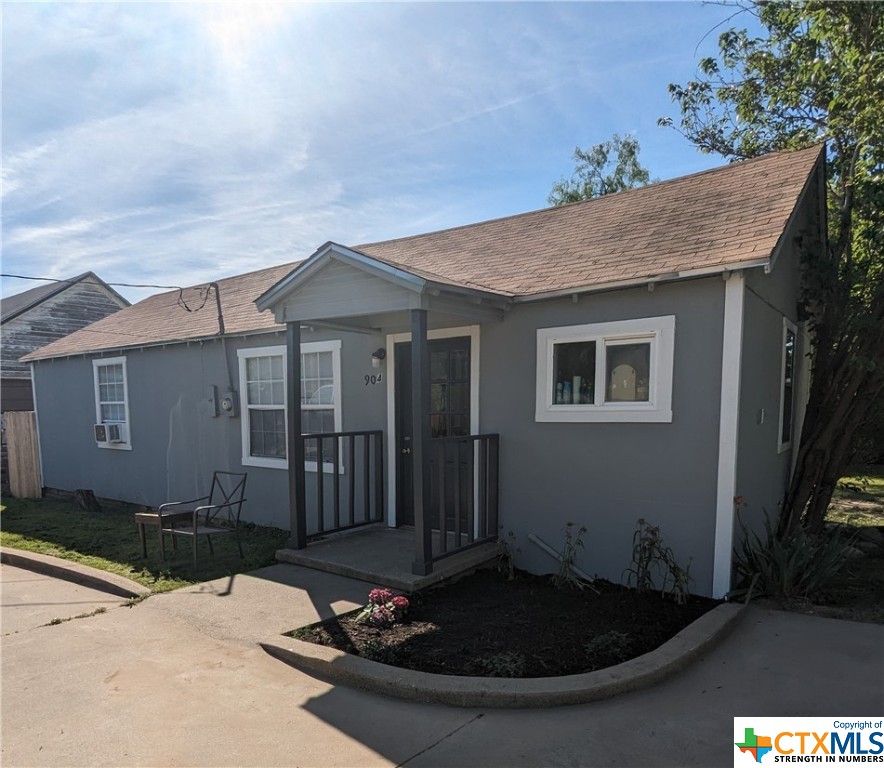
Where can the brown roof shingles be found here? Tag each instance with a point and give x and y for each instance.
(160, 319)
(726, 216)
(723, 216)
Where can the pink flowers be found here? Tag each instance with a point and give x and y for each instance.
(384, 608)
(381, 616)
(380, 596)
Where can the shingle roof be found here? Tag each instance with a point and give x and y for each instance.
(723, 216)
(12, 306)
(160, 318)
(720, 218)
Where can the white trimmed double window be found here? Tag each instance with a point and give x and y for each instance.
(264, 408)
(787, 386)
(111, 402)
(599, 372)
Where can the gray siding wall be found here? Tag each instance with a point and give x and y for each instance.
(606, 476)
(70, 310)
(762, 472)
(176, 442)
(602, 475)
(336, 288)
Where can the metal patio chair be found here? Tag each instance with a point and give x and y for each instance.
(218, 514)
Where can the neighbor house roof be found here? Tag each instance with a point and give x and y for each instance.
(13, 306)
(725, 218)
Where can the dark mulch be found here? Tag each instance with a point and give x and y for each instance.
(484, 625)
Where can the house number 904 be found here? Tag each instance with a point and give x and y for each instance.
(375, 378)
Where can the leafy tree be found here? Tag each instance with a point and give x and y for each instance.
(817, 75)
(597, 172)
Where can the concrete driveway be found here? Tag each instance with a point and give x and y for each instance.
(30, 600)
(177, 680)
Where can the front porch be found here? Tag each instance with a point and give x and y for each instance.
(382, 555)
(432, 474)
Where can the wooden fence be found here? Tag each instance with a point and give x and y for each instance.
(24, 455)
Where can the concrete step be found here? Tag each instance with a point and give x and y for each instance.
(384, 557)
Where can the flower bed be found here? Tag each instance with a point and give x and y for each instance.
(487, 626)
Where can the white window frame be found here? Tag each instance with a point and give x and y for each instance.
(659, 332)
(333, 346)
(100, 362)
(788, 325)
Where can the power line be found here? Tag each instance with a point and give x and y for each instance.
(119, 285)
(204, 291)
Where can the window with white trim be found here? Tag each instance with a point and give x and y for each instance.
(262, 373)
(111, 402)
(620, 371)
(264, 402)
(787, 386)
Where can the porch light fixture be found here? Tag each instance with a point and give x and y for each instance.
(377, 357)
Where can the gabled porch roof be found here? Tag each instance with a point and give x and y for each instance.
(343, 285)
(338, 287)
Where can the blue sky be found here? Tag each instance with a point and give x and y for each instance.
(179, 143)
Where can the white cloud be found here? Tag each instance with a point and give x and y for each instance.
(178, 143)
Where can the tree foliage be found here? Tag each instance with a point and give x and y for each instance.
(817, 75)
(611, 166)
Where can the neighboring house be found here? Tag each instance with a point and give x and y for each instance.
(635, 356)
(34, 318)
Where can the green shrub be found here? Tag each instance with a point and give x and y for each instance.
(799, 565)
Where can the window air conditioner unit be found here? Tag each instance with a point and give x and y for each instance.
(110, 433)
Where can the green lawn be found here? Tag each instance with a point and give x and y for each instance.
(108, 540)
(859, 592)
(859, 500)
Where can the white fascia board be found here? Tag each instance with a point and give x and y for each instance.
(638, 282)
(308, 266)
(728, 431)
(345, 255)
(376, 267)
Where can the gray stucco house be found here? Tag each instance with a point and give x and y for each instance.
(638, 355)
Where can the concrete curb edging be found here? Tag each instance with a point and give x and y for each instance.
(70, 571)
(458, 691)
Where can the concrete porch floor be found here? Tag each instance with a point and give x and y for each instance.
(382, 555)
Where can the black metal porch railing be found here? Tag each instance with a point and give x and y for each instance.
(464, 473)
(349, 486)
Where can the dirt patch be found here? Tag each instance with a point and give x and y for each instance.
(486, 626)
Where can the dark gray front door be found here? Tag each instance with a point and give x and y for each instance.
(449, 407)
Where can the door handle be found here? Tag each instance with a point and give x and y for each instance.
(406, 451)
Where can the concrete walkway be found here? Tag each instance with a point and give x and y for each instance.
(249, 607)
(30, 600)
(177, 680)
